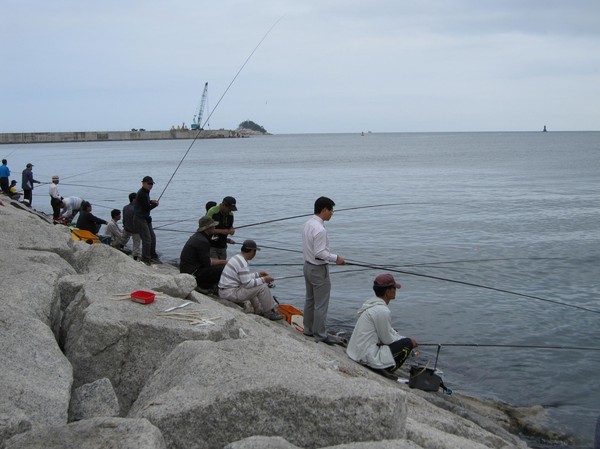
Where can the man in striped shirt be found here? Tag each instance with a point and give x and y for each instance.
(238, 284)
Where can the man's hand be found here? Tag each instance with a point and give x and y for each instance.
(340, 261)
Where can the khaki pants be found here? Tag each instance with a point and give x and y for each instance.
(260, 297)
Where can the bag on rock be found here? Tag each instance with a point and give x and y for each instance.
(427, 379)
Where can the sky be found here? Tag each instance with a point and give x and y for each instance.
(326, 66)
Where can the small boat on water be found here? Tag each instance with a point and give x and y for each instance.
(544, 130)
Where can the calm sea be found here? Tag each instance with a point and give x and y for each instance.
(517, 212)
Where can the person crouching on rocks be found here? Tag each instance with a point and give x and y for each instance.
(238, 284)
(14, 195)
(374, 342)
(195, 257)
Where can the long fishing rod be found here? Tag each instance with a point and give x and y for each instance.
(471, 284)
(218, 102)
(477, 345)
(94, 187)
(300, 216)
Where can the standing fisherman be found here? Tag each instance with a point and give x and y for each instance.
(55, 198)
(129, 228)
(223, 214)
(4, 174)
(27, 182)
(317, 256)
(143, 221)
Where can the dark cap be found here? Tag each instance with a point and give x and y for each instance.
(148, 179)
(385, 280)
(29, 165)
(206, 223)
(229, 201)
(249, 245)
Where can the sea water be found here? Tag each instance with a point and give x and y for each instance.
(516, 212)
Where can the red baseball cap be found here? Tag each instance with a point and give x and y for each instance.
(385, 280)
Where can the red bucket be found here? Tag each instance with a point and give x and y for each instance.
(143, 297)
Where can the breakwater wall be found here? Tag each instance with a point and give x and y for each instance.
(106, 136)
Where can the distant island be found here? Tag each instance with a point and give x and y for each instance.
(249, 128)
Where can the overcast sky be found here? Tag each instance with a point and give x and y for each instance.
(327, 65)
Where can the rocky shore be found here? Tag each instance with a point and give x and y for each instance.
(84, 369)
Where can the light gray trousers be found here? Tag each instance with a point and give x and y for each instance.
(318, 287)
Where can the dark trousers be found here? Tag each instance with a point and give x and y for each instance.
(55, 203)
(28, 195)
(4, 185)
(209, 277)
(400, 350)
(144, 229)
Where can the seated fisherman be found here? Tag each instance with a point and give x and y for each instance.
(238, 284)
(113, 230)
(88, 221)
(14, 195)
(374, 342)
(195, 257)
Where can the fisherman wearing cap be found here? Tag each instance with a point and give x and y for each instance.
(222, 213)
(238, 284)
(27, 182)
(14, 195)
(195, 257)
(142, 221)
(4, 175)
(55, 198)
(374, 342)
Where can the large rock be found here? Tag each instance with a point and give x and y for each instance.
(93, 400)
(35, 379)
(207, 394)
(124, 341)
(24, 229)
(261, 442)
(103, 260)
(97, 433)
(28, 283)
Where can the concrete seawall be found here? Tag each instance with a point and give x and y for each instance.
(105, 136)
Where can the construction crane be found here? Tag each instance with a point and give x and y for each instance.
(197, 121)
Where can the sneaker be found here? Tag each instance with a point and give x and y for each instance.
(274, 316)
(327, 341)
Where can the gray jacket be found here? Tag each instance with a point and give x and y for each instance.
(372, 335)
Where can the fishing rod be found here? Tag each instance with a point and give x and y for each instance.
(302, 275)
(94, 187)
(302, 215)
(471, 284)
(477, 345)
(217, 105)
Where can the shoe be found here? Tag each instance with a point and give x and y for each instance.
(308, 335)
(327, 341)
(156, 260)
(385, 373)
(274, 316)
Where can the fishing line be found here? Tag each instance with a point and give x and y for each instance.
(217, 105)
(471, 284)
(477, 345)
